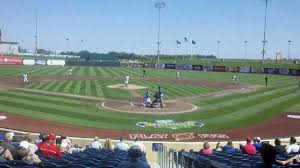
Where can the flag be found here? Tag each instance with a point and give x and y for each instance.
(185, 39)
(193, 42)
(178, 42)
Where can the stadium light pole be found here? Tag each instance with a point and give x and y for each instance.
(289, 48)
(36, 28)
(159, 5)
(218, 42)
(245, 48)
(265, 25)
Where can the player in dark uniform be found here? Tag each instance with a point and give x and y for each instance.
(161, 94)
(266, 80)
(299, 87)
(144, 73)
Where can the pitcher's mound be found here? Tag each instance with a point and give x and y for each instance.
(130, 86)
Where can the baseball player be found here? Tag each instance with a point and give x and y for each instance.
(266, 80)
(160, 94)
(177, 75)
(70, 72)
(147, 98)
(299, 87)
(234, 79)
(126, 81)
(144, 73)
(25, 78)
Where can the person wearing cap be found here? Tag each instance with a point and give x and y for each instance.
(24, 154)
(49, 148)
(5, 153)
(138, 143)
(249, 148)
(96, 144)
(257, 143)
(134, 154)
(7, 143)
(122, 145)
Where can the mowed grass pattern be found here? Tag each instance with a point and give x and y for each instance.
(217, 113)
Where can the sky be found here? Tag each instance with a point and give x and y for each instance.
(132, 25)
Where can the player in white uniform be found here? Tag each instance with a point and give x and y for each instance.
(234, 79)
(126, 81)
(70, 72)
(177, 75)
(25, 78)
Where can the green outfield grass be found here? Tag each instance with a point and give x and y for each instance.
(217, 113)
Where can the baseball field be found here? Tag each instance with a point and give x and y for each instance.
(53, 96)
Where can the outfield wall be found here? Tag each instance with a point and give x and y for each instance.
(217, 68)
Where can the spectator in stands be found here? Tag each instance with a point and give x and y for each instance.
(66, 144)
(228, 148)
(76, 149)
(134, 154)
(43, 137)
(58, 142)
(138, 143)
(267, 153)
(257, 143)
(295, 158)
(206, 149)
(25, 155)
(96, 144)
(293, 147)
(249, 148)
(5, 154)
(27, 138)
(279, 149)
(7, 143)
(122, 145)
(49, 148)
(108, 144)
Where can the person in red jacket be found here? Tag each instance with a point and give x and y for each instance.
(49, 148)
(249, 148)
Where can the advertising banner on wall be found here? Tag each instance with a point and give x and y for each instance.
(219, 68)
(160, 66)
(188, 67)
(149, 65)
(56, 62)
(40, 62)
(197, 67)
(245, 69)
(231, 69)
(269, 70)
(257, 70)
(28, 62)
(208, 67)
(7, 60)
(180, 67)
(170, 66)
(294, 72)
(284, 71)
